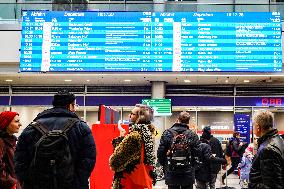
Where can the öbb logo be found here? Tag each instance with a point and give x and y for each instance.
(271, 101)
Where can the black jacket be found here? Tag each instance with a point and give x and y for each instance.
(216, 149)
(267, 169)
(187, 178)
(204, 172)
(81, 140)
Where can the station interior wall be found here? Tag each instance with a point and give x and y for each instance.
(218, 120)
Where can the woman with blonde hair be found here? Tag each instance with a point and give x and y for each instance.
(134, 149)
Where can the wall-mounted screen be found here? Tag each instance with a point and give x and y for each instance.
(161, 107)
(151, 42)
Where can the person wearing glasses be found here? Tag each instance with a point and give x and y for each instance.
(81, 147)
(129, 148)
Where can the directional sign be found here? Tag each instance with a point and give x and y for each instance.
(161, 107)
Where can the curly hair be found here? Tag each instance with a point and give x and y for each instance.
(145, 116)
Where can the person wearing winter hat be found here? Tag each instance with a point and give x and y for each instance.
(245, 166)
(81, 143)
(216, 150)
(9, 125)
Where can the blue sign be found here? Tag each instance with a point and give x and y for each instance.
(151, 42)
(259, 101)
(242, 125)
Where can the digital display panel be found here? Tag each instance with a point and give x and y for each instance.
(151, 42)
(242, 125)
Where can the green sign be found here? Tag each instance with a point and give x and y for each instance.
(161, 107)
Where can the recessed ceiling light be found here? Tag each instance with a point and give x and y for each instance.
(9, 80)
(67, 80)
(88, 80)
(246, 81)
(187, 81)
(127, 80)
(227, 81)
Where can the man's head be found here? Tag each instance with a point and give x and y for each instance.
(263, 121)
(183, 117)
(142, 114)
(64, 99)
(206, 133)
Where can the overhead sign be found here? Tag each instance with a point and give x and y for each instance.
(161, 107)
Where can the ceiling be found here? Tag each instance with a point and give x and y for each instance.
(139, 78)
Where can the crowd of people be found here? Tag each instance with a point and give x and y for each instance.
(57, 151)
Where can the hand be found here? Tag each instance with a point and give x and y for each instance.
(14, 187)
(241, 143)
(122, 132)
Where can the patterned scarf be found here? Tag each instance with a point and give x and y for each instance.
(148, 140)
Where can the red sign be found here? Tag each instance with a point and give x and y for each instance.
(271, 101)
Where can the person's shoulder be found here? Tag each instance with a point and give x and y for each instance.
(81, 127)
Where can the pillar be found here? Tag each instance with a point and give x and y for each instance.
(159, 91)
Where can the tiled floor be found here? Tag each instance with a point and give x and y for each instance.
(233, 181)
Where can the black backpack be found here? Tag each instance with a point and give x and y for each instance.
(179, 154)
(52, 165)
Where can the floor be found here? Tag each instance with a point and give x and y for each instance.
(233, 181)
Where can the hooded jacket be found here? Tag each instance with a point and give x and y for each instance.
(82, 147)
(187, 178)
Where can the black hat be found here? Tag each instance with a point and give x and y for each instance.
(206, 134)
(63, 98)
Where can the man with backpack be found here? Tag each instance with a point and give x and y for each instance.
(177, 153)
(57, 150)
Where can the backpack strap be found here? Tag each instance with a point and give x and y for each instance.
(40, 127)
(69, 124)
(44, 129)
(174, 132)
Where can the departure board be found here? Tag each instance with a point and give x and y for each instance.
(151, 42)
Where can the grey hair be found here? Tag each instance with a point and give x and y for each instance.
(145, 114)
(264, 118)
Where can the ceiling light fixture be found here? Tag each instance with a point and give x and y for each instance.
(9, 80)
(67, 80)
(227, 81)
(127, 80)
(88, 80)
(187, 81)
(246, 81)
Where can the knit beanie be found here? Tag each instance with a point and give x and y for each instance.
(63, 98)
(6, 118)
(249, 149)
(206, 134)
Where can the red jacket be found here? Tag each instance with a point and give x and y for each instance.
(7, 149)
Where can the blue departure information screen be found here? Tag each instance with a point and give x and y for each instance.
(151, 42)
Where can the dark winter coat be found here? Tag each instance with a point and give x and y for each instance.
(7, 173)
(267, 169)
(187, 178)
(216, 149)
(82, 147)
(203, 174)
(236, 147)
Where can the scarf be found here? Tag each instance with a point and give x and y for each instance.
(148, 139)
